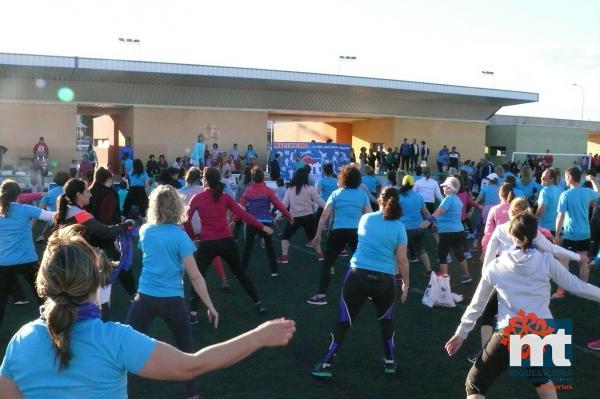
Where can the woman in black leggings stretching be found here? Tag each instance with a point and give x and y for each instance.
(380, 255)
(216, 239)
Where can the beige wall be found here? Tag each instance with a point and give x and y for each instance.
(468, 137)
(22, 124)
(372, 131)
(172, 131)
(303, 132)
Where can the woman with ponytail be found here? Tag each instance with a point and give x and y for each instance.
(521, 276)
(70, 353)
(414, 211)
(216, 239)
(380, 255)
(345, 206)
(17, 250)
(500, 242)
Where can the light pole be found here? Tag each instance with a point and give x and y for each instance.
(492, 75)
(344, 58)
(582, 98)
(130, 41)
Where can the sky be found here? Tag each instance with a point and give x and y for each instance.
(529, 45)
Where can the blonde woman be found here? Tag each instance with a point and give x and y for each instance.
(168, 252)
(78, 356)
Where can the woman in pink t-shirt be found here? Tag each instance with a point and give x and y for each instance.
(498, 214)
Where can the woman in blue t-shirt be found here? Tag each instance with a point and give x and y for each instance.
(373, 184)
(17, 251)
(326, 185)
(347, 204)
(413, 213)
(138, 187)
(168, 252)
(76, 355)
(448, 218)
(380, 255)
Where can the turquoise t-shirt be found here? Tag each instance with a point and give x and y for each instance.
(348, 205)
(528, 188)
(549, 197)
(102, 354)
(49, 200)
(377, 242)
(371, 182)
(490, 195)
(450, 221)
(164, 246)
(122, 195)
(128, 166)
(138, 181)
(518, 193)
(16, 240)
(411, 204)
(327, 184)
(575, 204)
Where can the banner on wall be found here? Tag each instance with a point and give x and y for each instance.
(314, 154)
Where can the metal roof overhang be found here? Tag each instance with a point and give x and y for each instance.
(118, 83)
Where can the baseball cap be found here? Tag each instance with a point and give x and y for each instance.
(408, 179)
(492, 176)
(452, 183)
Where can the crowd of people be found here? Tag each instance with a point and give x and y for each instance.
(532, 223)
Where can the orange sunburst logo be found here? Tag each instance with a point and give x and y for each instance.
(525, 324)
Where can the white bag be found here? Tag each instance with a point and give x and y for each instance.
(438, 291)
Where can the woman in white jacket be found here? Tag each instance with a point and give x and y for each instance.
(521, 277)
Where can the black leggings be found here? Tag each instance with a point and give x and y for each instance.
(336, 242)
(136, 196)
(488, 317)
(360, 284)
(456, 241)
(227, 249)
(251, 233)
(8, 277)
(308, 223)
(172, 310)
(491, 363)
(127, 280)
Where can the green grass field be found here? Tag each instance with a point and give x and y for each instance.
(425, 371)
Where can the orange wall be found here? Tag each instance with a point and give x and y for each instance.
(343, 133)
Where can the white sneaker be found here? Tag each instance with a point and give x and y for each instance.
(468, 255)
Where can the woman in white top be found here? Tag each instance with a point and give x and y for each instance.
(301, 198)
(500, 241)
(521, 276)
(429, 189)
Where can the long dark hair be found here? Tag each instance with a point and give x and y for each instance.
(101, 176)
(9, 192)
(390, 206)
(213, 178)
(71, 189)
(299, 180)
(247, 174)
(138, 167)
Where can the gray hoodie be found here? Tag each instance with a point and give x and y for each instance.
(522, 281)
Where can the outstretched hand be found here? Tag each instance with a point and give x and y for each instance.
(453, 345)
(276, 332)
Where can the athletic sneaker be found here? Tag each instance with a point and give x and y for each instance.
(194, 318)
(344, 253)
(260, 308)
(594, 345)
(21, 302)
(283, 259)
(468, 255)
(274, 274)
(466, 280)
(308, 244)
(322, 370)
(332, 271)
(319, 299)
(389, 367)
(448, 259)
(320, 256)
(413, 260)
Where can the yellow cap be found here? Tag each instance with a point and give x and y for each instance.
(408, 179)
